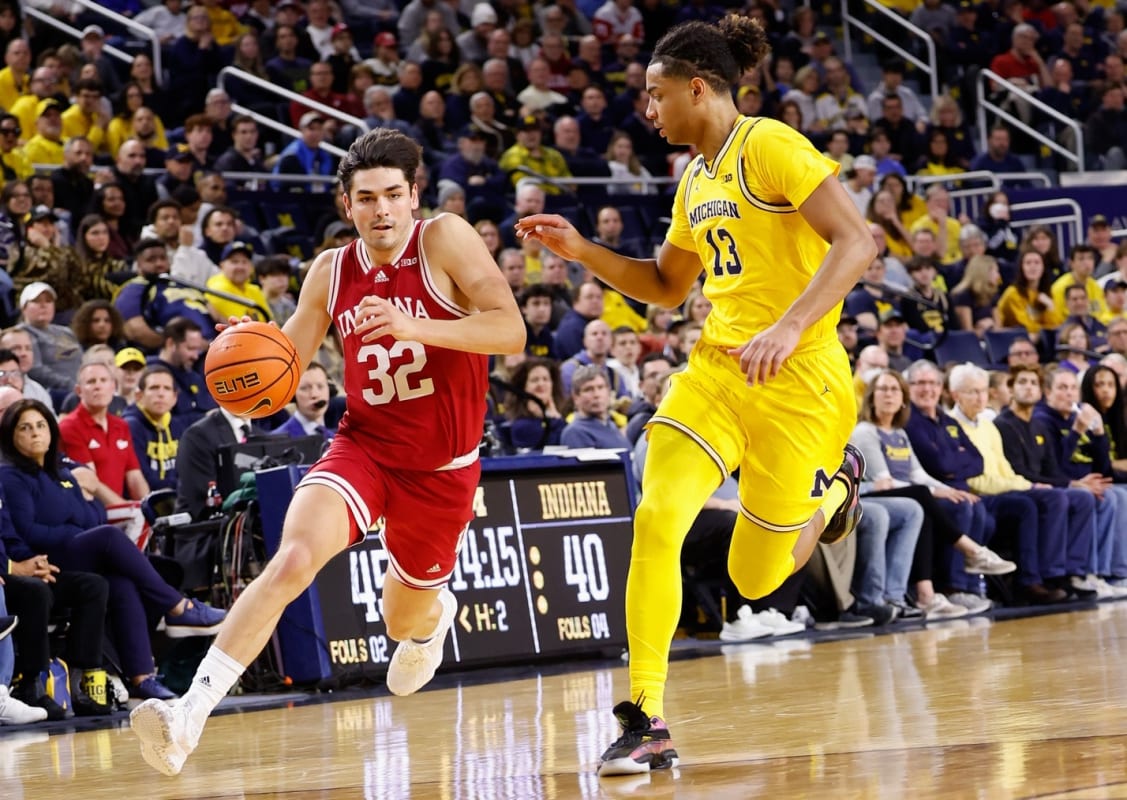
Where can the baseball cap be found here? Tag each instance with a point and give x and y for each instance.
(481, 14)
(237, 247)
(43, 212)
(33, 290)
(45, 104)
(847, 319)
(309, 117)
(1115, 283)
(966, 5)
(529, 122)
(865, 162)
(821, 37)
(178, 152)
(746, 90)
(338, 29)
(129, 355)
(892, 315)
(1098, 221)
(471, 132)
(386, 39)
(93, 30)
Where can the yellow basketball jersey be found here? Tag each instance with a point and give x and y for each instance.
(741, 215)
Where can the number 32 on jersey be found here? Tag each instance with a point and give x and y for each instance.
(391, 370)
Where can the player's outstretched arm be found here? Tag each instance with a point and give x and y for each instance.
(461, 265)
(310, 322)
(665, 281)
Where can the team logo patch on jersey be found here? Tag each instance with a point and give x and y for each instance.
(822, 482)
(93, 444)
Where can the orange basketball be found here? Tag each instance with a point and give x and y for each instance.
(252, 369)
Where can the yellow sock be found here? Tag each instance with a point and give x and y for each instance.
(679, 476)
(834, 499)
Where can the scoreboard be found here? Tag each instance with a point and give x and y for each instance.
(541, 573)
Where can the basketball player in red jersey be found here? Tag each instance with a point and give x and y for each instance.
(418, 306)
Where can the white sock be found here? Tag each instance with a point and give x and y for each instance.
(217, 673)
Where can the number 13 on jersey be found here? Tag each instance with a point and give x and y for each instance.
(725, 258)
(391, 373)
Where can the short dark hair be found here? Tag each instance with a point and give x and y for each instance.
(7, 355)
(1082, 247)
(155, 208)
(1076, 287)
(146, 244)
(156, 369)
(274, 265)
(178, 329)
(534, 290)
(89, 85)
(383, 147)
(242, 119)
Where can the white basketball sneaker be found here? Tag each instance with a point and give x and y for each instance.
(414, 664)
(167, 734)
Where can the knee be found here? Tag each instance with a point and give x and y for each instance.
(658, 524)
(293, 564)
(763, 580)
(761, 577)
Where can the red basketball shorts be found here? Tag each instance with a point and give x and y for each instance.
(425, 513)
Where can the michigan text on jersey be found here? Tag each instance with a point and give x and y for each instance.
(714, 208)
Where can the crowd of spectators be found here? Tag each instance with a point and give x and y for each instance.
(133, 217)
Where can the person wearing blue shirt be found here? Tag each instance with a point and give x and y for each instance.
(592, 425)
(147, 303)
(304, 156)
(312, 400)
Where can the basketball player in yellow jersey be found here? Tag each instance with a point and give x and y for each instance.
(768, 386)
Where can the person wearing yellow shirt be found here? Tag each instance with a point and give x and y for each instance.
(225, 26)
(1081, 265)
(235, 271)
(1027, 302)
(14, 80)
(938, 221)
(143, 125)
(1115, 298)
(85, 117)
(46, 146)
(43, 85)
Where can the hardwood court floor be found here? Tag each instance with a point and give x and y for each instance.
(1030, 708)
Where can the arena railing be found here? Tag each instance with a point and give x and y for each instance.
(142, 31)
(1067, 224)
(234, 73)
(70, 30)
(968, 199)
(929, 67)
(1015, 92)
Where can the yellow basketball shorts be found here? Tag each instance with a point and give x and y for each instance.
(785, 436)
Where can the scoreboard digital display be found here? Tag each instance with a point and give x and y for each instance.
(541, 572)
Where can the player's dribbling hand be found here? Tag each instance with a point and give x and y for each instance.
(763, 356)
(554, 232)
(377, 317)
(233, 321)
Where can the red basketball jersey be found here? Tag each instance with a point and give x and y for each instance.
(410, 405)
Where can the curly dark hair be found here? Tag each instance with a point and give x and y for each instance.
(383, 147)
(518, 407)
(80, 323)
(1113, 416)
(719, 54)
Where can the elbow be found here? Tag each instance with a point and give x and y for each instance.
(513, 341)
